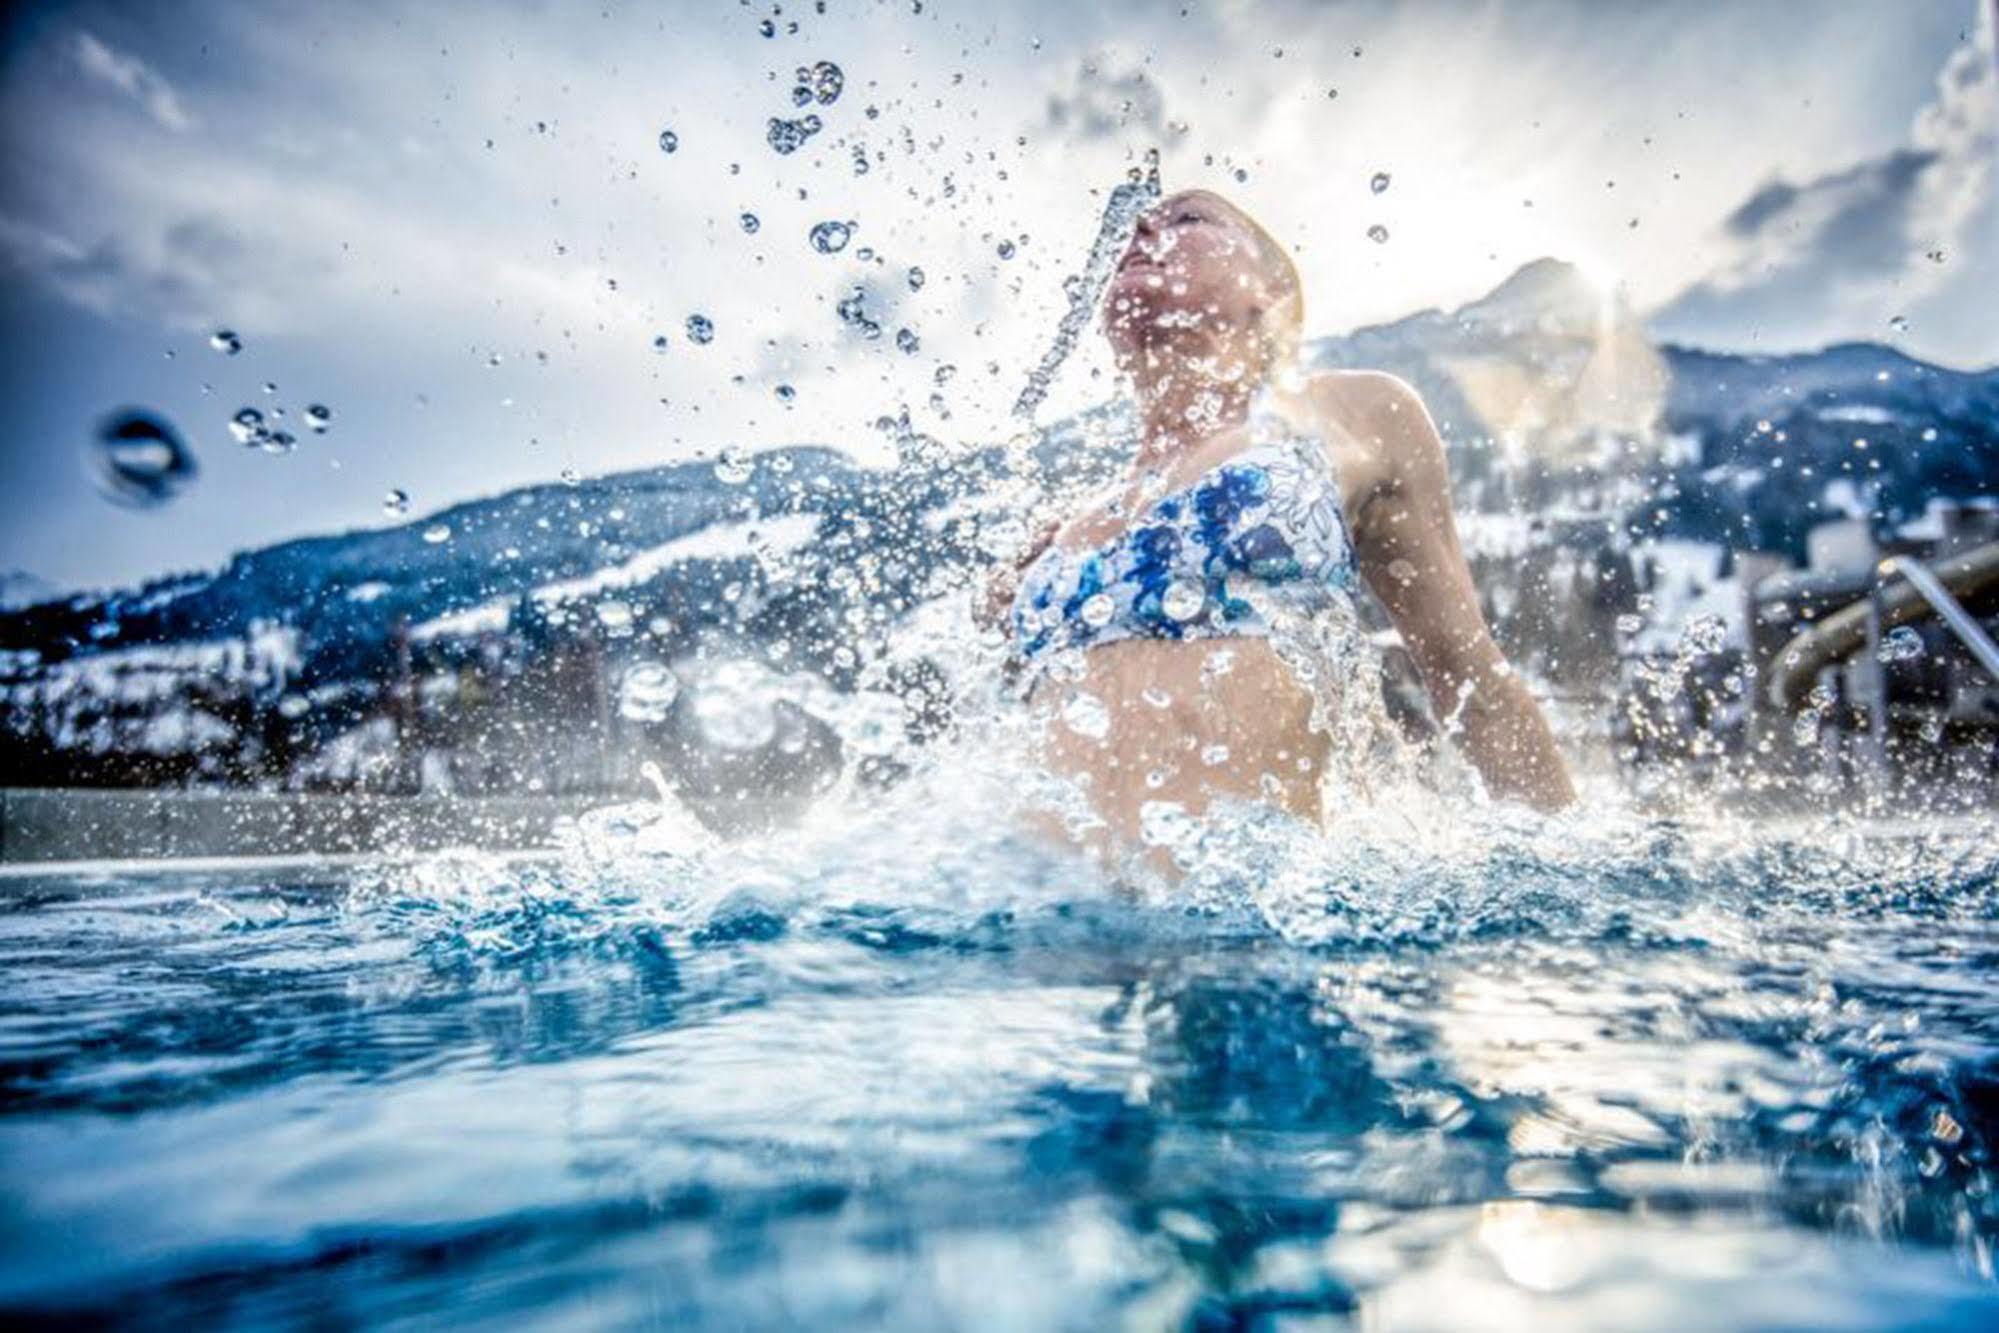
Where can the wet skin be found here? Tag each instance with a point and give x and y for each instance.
(1189, 316)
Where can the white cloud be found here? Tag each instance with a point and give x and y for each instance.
(1839, 255)
(134, 78)
(381, 198)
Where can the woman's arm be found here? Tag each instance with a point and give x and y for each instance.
(1407, 547)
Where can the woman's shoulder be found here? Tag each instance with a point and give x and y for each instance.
(1360, 401)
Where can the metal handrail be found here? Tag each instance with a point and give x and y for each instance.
(1896, 599)
(1951, 611)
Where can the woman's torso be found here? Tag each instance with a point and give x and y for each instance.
(1140, 697)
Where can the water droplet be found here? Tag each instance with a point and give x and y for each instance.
(749, 223)
(646, 692)
(247, 426)
(733, 467)
(1378, 182)
(1166, 823)
(1183, 600)
(659, 342)
(396, 502)
(853, 312)
(785, 393)
(225, 341)
(788, 136)
(616, 618)
(700, 329)
(319, 417)
(735, 707)
(1006, 249)
(1241, 176)
(1214, 754)
(1900, 323)
(820, 83)
(916, 279)
(1901, 644)
(278, 442)
(437, 533)
(140, 459)
(1377, 233)
(570, 477)
(1703, 636)
(907, 341)
(668, 141)
(1630, 624)
(1086, 715)
(1096, 611)
(829, 238)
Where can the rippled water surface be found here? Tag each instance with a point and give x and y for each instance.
(1670, 1077)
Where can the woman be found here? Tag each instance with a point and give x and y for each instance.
(1143, 624)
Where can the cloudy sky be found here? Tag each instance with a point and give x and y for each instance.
(455, 226)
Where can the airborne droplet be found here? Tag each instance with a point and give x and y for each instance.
(225, 341)
(437, 533)
(319, 417)
(822, 82)
(734, 467)
(750, 223)
(700, 329)
(140, 460)
(396, 502)
(788, 136)
(1901, 644)
(829, 238)
(1377, 233)
(668, 141)
(1086, 715)
(247, 426)
(1184, 599)
(1378, 182)
(646, 692)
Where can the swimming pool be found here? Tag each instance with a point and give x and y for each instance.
(1668, 1076)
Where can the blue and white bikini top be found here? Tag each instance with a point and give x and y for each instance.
(1259, 533)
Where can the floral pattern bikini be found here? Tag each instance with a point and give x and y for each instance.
(1258, 534)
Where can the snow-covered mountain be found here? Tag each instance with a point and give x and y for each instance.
(1572, 435)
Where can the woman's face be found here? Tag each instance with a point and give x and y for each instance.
(1193, 274)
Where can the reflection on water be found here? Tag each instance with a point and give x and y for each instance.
(1663, 1077)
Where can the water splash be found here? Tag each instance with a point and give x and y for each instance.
(1121, 211)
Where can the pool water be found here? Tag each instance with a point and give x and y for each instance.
(1636, 1075)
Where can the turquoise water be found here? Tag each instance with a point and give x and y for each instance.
(1669, 1076)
